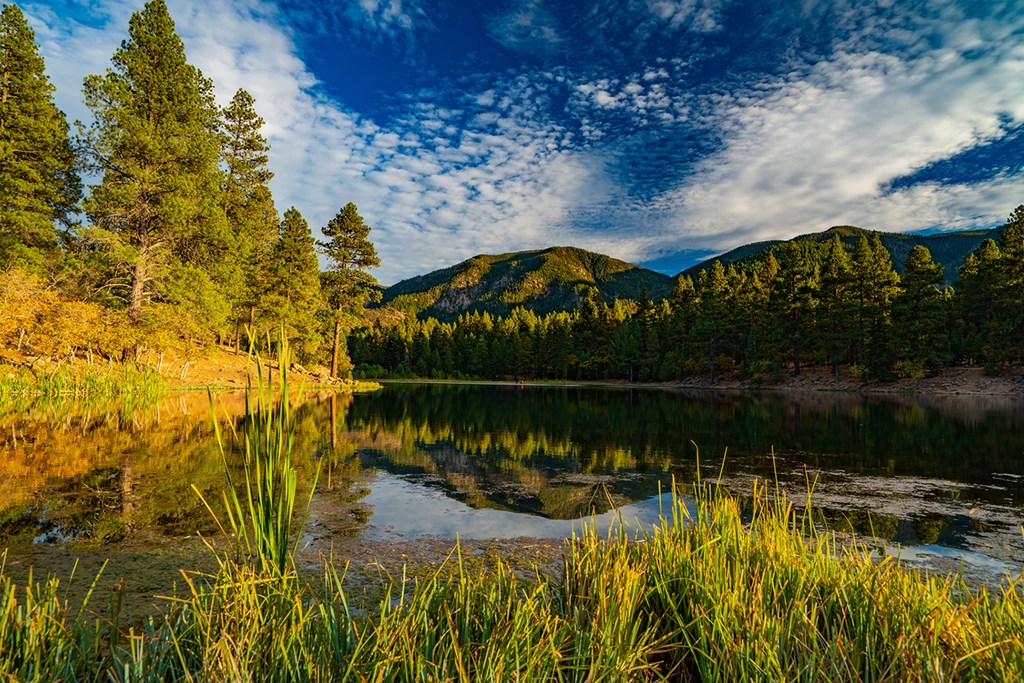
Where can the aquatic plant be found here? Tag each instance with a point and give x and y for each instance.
(260, 515)
(705, 596)
(720, 590)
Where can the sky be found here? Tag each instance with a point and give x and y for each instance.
(656, 131)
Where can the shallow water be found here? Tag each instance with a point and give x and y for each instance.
(942, 477)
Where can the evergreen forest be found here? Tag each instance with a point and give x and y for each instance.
(834, 303)
(153, 227)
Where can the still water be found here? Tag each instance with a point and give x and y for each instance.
(940, 477)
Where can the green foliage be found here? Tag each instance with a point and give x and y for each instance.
(38, 167)
(990, 297)
(154, 140)
(248, 204)
(347, 287)
(260, 518)
(291, 289)
(716, 593)
(544, 281)
(805, 302)
(128, 381)
(949, 249)
(921, 313)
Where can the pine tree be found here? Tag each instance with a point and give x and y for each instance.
(154, 139)
(292, 286)
(875, 283)
(347, 285)
(39, 185)
(591, 335)
(1011, 281)
(625, 350)
(709, 326)
(981, 296)
(835, 310)
(247, 201)
(684, 309)
(795, 299)
(919, 311)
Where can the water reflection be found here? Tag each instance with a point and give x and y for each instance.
(441, 460)
(907, 469)
(99, 474)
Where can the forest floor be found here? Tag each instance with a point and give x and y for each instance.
(220, 367)
(214, 366)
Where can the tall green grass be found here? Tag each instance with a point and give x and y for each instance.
(260, 512)
(721, 593)
(126, 380)
(704, 598)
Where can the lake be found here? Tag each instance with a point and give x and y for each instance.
(942, 478)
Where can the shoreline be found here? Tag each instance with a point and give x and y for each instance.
(958, 381)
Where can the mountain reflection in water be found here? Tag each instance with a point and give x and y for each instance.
(418, 460)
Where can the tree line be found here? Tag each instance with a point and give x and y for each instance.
(181, 241)
(827, 304)
(176, 241)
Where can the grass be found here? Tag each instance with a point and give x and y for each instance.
(718, 593)
(708, 598)
(113, 381)
(260, 516)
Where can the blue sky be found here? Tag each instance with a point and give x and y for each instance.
(655, 131)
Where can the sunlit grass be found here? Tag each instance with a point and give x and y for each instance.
(139, 383)
(714, 593)
(261, 510)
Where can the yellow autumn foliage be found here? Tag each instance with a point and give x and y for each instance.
(37, 319)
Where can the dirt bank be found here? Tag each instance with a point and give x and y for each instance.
(956, 380)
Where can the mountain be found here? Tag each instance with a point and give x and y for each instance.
(950, 249)
(544, 281)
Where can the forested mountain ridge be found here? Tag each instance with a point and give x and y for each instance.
(948, 249)
(829, 304)
(543, 280)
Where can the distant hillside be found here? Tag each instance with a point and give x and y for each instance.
(950, 249)
(544, 281)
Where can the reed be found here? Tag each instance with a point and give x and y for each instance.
(703, 597)
(122, 381)
(719, 591)
(260, 512)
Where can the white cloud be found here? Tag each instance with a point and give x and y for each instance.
(817, 149)
(504, 185)
(497, 171)
(701, 16)
(529, 26)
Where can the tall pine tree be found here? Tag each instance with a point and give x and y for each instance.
(347, 286)
(292, 285)
(39, 185)
(835, 308)
(1011, 281)
(794, 300)
(154, 139)
(919, 312)
(980, 298)
(874, 285)
(248, 203)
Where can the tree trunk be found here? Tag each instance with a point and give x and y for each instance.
(335, 351)
(138, 288)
